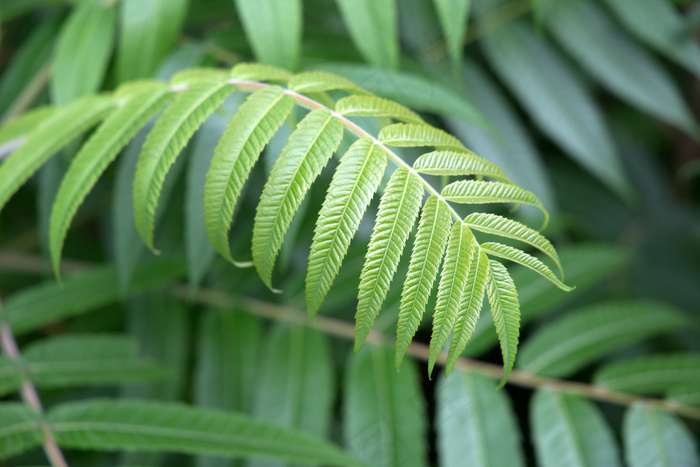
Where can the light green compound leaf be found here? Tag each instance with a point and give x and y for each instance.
(505, 309)
(428, 250)
(476, 426)
(20, 429)
(373, 29)
(47, 139)
(654, 438)
(148, 31)
(83, 49)
(372, 106)
(496, 225)
(502, 226)
(167, 427)
(650, 375)
(384, 422)
(458, 164)
(296, 386)
(668, 36)
(571, 431)
(581, 337)
(321, 81)
(453, 16)
(412, 135)
(250, 130)
(619, 63)
(274, 29)
(308, 150)
(47, 303)
(169, 136)
(260, 72)
(478, 192)
(398, 210)
(96, 154)
(556, 99)
(524, 259)
(453, 282)
(354, 183)
(470, 307)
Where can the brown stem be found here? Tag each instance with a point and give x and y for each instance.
(421, 351)
(30, 397)
(346, 330)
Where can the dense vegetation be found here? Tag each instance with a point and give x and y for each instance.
(204, 203)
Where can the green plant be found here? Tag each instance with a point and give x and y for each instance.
(245, 153)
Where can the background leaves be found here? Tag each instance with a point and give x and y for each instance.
(587, 105)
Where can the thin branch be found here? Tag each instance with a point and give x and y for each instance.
(29, 94)
(30, 397)
(10, 260)
(421, 351)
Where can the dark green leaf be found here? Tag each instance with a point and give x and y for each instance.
(656, 438)
(20, 429)
(46, 303)
(569, 430)
(148, 30)
(274, 30)
(83, 48)
(157, 426)
(476, 425)
(384, 416)
(296, 384)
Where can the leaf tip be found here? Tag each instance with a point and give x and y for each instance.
(504, 379)
(448, 367)
(400, 354)
(359, 342)
(431, 362)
